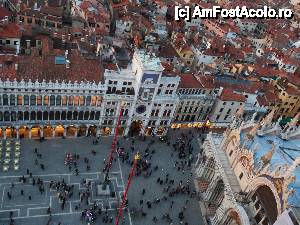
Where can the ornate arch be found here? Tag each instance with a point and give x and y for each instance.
(264, 181)
(233, 136)
(241, 158)
(238, 214)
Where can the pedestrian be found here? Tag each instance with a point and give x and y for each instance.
(29, 197)
(144, 191)
(22, 192)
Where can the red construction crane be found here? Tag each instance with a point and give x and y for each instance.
(131, 174)
(113, 147)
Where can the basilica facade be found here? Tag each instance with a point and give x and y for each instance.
(250, 174)
(140, 94)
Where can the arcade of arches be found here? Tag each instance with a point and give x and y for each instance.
(48, 131)
(13, 116)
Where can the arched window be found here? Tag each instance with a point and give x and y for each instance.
(58, 100)
(76, 100)
(97, 117)
(88, 100)
(1, 116)
(94, 100)
(5, 99)
(45, 115)
(46, 100)
(33, 115)
(92, 115)
(13, 116)
(26, 100)
(39, 100)
(86, 115)
(70, 102)
(80, 117)
(57, 115)
(81, 100)
(6, 116)
(20, 116)
(99, 100)
(52, 100)
(51, 115)
(12, 99)
(63, 115)
(64, 100)
(39, 115)
(26, 115)
(75, 115)
(20, 100)
(32, 100)
(69, 115)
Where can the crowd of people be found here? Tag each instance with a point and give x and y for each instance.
(170, 189)
(181, 154)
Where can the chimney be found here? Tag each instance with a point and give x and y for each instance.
(35, 6)
(18, 48)
(6, 20)
(59, 3)
(67, 64)
(69, 37)
(16, 66)
(66, 54)
(63, 38)
(55, 34)
(220, 91)
(46, 3)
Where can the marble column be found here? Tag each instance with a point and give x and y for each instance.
(76, 132)
(4, 133)
(87, 130)
(29, 132)
(65, 131)
(18, 132)
(41, 131)
(53, 132)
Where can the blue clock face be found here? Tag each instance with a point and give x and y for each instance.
(141, 109)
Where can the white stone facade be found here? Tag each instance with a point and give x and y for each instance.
(32, 108)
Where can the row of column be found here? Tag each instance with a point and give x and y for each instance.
(41, 131)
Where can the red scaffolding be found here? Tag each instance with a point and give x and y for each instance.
(113, 146)
(131, 174)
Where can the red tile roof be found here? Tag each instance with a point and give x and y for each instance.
(292, 90)
(206, 81)
(271, 97)
(189, 81)
(4, 12)
(262, 100)
(10, 30)
(44, 67)
(167, 66)
(229, 95)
